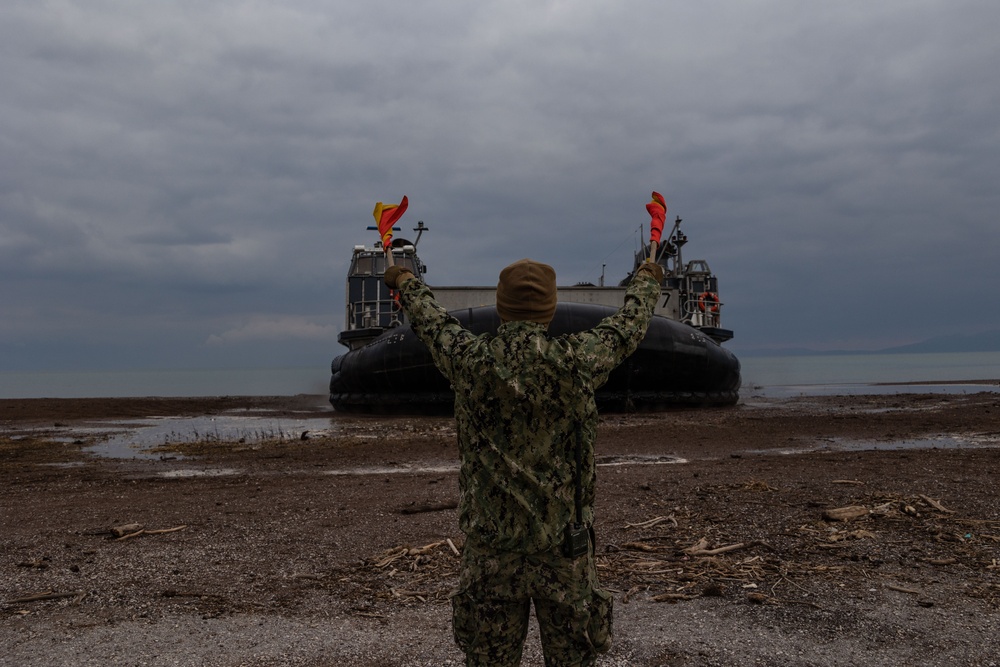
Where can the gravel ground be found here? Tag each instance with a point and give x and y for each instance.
(335, 544)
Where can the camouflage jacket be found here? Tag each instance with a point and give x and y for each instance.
(520, 398)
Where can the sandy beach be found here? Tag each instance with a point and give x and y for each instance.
(840, 530)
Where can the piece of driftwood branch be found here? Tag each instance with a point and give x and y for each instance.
(672, 597)
(901, 589)
(653, 522)
(453, 548)
(393, 555)
(128, 536)
(701, 548)
(126, 529)
(855, 482)
(400, 593)
(426, 549)
(48, 595)
(143, 531)
(936, 505)
(717, 551)
(845, 513)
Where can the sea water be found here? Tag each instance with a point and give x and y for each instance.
(774, 376)
(870, 373)
(173, 383)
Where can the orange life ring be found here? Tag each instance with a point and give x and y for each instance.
(708, 302)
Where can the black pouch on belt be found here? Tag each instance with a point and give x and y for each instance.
(577, 541)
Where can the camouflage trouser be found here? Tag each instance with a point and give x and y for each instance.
(493, 601)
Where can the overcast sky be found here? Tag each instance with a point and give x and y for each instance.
(181, 182)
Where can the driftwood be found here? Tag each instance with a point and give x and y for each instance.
(672, 597)
(421, 551)
(845, 513)
(936, 505)
(79, 595)
(452, 546)
(701, 548)
(854, 482)
(420, 595)
(653, 522)
(143, 531)
(719, 550)
(901, 589)
(942, 561)
(126, 529)
(392, 555)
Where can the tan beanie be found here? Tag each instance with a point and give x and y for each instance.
(527, 292)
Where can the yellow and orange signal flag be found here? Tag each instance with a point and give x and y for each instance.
(657, 209)
(386, 216)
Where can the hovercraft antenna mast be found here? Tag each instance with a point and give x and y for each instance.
(420, 229)
(676, 240)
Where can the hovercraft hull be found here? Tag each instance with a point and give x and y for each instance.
(674, 365)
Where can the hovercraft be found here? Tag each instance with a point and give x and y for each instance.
(680, 362)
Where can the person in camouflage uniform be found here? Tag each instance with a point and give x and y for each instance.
(522, 399)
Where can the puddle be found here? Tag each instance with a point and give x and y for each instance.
(637, 460)
(983, 441)
(404, 469)
(135, 439)
(203, 472)
(854, 389)
(935, 442)
(394, 470)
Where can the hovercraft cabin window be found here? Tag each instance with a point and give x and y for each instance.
(370, 301)
(374, 265)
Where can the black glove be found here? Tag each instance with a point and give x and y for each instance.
(651, 269)
(395, 276)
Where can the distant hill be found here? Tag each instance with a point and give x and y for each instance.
(988, 341)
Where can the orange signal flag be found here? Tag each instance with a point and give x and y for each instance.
(657, 209)
(386, 216)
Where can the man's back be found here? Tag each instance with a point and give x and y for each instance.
(522, 399)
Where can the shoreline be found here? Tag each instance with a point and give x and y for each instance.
(14, 409)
